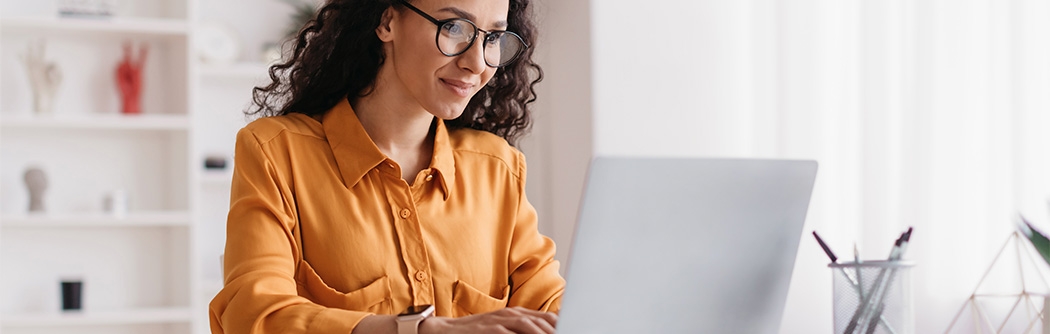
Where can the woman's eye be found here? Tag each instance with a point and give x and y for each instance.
(455, 29)
(493, 39)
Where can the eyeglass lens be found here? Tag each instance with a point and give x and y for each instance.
(456, 35)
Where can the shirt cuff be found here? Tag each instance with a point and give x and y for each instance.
(333, 320)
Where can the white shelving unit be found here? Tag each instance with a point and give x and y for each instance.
(124, 26)
(98, 122)
(155, 268)
(138, 268)
(221, 178)
(101, 318)
(69, 220)
(241, 70)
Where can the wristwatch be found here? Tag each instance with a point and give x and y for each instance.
(408, 322)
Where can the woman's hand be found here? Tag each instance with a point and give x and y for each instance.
(516, 320)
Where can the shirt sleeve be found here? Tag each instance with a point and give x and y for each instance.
(260, 292)
(535, 281)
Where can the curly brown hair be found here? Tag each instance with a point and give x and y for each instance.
(337, 56)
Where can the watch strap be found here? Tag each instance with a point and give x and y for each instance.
(409, 323)
(409, 326)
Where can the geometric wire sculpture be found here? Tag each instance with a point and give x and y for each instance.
(1027, 297)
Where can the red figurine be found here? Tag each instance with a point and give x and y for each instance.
(129, 79)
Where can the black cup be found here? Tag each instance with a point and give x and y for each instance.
(72, 291)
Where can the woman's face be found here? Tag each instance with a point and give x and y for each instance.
(440, 84)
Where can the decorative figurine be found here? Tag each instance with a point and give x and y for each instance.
(116, 203)
(87, 8)
(72, 294)
(36, 181)
(215, 162)
(129, 79)
(44, 78)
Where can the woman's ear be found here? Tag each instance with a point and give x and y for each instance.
(385, 30)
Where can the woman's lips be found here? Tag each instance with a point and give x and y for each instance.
(461, 88)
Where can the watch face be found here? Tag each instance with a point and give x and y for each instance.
(415, 309)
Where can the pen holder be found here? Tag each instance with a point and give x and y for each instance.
(880, 303)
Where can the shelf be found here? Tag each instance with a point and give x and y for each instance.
(96, 219)
(217, 177)
(242, 70)
(98, 122)
(121, 25)
(97, 318)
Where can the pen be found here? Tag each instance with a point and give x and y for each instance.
(878, 311)
(824, 246)
(860, 280)
(904, 245)
(898, 247)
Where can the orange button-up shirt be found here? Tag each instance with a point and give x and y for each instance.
(323, 231)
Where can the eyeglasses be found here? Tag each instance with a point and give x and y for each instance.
(455, 36)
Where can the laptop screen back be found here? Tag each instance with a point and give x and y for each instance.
(666, 245)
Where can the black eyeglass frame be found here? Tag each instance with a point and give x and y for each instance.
(441, 23)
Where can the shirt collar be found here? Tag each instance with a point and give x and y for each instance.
(356, 153)
(442, 161)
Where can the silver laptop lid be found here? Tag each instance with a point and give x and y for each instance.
(685, 245)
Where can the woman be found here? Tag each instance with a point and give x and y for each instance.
(385, 182)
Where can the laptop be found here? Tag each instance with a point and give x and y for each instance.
(685, 245)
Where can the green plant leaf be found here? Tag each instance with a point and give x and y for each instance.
(1037, 238)
(302, 12)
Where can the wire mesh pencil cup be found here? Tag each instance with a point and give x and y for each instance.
(881, 302)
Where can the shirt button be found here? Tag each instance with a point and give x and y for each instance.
(430, 177)
(390, 165)
(421, 276)
(405, 213)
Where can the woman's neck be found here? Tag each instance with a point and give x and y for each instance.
(393, 127)
(400, 129)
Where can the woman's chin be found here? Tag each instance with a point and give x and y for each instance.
(449, 113)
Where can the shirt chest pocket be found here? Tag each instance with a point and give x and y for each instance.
(467, 300)
(374, 297)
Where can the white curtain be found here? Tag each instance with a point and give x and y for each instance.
(933, 114)
(926, 113)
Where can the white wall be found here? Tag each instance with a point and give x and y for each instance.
(562, 140)
(927, 113)
(672, 77)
